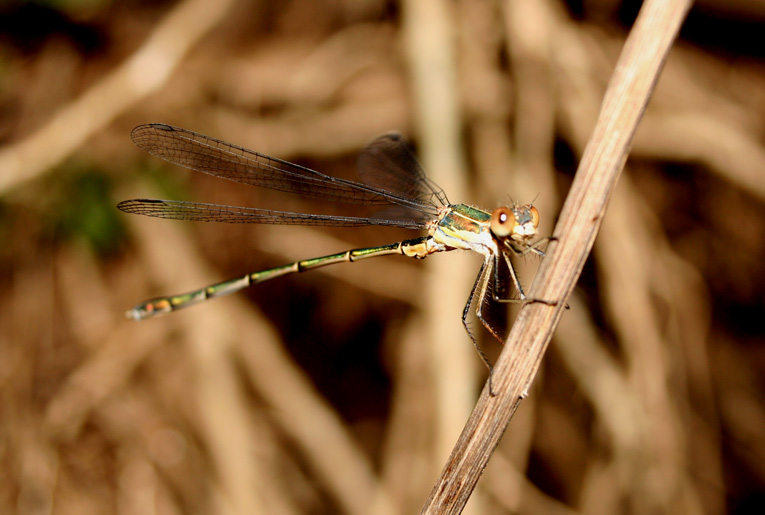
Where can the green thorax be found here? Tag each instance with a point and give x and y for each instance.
(463, 227)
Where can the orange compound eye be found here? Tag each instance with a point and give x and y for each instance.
(534, 216)
(502, 222)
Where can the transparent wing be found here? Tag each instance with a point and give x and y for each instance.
(388, 164)
(225, 160)
(198, 212)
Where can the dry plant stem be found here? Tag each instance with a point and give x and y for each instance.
(145, 72)
(429, 36)
(631, 86)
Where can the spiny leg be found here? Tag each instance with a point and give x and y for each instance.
(534, 247)
(479, 291)
(514, 276)
(497, 280)
(502, 269)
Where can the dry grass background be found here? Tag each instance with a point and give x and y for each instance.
(342, 390)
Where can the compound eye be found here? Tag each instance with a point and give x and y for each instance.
(534, 216)
(503, 222)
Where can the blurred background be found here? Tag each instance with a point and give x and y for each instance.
(342, 390)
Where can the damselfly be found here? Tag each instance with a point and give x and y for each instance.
(392, 180)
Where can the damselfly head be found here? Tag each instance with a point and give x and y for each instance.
(519, 223)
